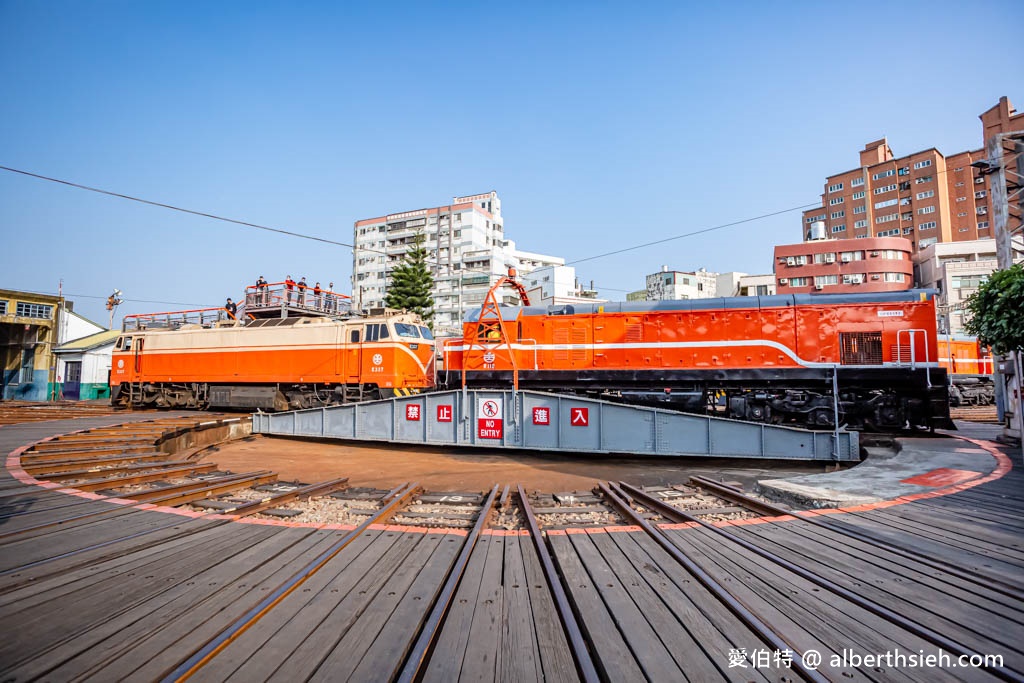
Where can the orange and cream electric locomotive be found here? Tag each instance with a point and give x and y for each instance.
(199, 359)
(793, 359)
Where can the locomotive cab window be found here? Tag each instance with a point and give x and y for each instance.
(425, 331)
(353, 336)
(120, 344)
(406, 330)
(377, 332)
(127, 344)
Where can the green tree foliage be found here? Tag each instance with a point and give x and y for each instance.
(997, 310)
(412, 283)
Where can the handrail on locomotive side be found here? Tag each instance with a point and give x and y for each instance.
(491, 326)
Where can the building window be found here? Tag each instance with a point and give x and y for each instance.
(894, 277)
(927, 242)
(884, 174)
(839, 228)
(826, 279)
(27, 310)
(888, 233)
(860, 224)
(848, 256)
(884, 189)
(967, 281)
(797, 282)
(961, 214)
(829, 257)
(963, 229)
(838, 214)
(924, 179)
(856, 182)
(907, 215)
(887, 218)
(860, 208)
(904, 171)
(887, 202)
(835, 188)
(982, 225)
(927, 226)
(837, 200)
(893, 254)
(922, 164)
(858, 195)
(925, 195)
(960, 184)
(908, 230)
(3, 308)
(28, 361)
(981, 211)
(979, 194)
(926, 209)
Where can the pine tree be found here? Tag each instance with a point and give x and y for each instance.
(411, 282)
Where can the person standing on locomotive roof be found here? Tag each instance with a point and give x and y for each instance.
(261, 290)
(289, 285)
(316, 296)
(231, 308)
(329, 298)
(302, 286)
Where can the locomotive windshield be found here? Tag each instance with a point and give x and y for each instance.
(406, 330)
(425, 331)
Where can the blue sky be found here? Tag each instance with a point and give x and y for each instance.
(601, 125)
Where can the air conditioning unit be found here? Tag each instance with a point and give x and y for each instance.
(783, 280)
(830, 258)
(846, 259)
(875, 277)
(874, 253)
(790, 261)
(856, 279)
(819, 287)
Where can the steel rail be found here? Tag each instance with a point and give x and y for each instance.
(584, 663)
(936, 638)
(322, 489)
(64, 465)
(992, 583)
(417, 656)
(217, 643)
(735, 606)
(188, 493)
(65, 474)
(37, 458)
(117, 482)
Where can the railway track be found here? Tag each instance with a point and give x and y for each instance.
(152, 565)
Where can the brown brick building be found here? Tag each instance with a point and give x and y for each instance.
(926, 197)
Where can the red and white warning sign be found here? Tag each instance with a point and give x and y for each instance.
(412, 412)
(579, 417)
(489, 419)
(444, 413)
(541, 415)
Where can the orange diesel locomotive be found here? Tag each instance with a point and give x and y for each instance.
(776, 359)
(197, 359)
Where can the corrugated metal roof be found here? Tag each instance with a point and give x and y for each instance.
(90, 342)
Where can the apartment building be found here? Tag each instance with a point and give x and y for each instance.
(673, 284)
(757, 285)
(467, 251)
(833, 266)
(956, 270)
(556, 286)
(926, 197)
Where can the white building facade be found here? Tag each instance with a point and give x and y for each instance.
(956, 269)
(673, 284)
(557, 285)
(466, 250)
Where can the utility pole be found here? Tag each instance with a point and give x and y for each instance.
(1005, 235)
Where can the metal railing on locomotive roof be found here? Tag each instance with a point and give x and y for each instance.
(275, 295)
(173, 320)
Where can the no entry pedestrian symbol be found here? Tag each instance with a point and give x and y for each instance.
(489, 422)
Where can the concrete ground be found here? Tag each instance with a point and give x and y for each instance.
(920, 465)
(460, 469)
